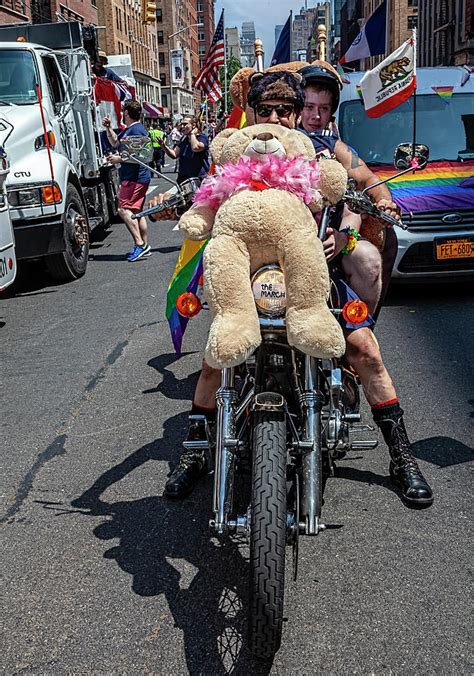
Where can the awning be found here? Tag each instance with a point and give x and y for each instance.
(152, 110)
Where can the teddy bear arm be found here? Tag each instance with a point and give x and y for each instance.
(197, 222)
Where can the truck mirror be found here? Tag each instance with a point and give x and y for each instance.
(405, 158)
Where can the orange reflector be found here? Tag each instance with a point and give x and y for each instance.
(188, 305)
(21, 39)
(51, 194)
(52, 139)
(355, 311)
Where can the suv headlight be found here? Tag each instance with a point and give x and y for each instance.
(268, 286)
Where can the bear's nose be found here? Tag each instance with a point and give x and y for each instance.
(265, 136)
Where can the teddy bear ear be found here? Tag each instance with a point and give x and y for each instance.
(254, 78)
(219, 142)
(239, 87)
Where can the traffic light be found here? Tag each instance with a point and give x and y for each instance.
(148, 11)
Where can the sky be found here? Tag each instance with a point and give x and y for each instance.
(266, 14)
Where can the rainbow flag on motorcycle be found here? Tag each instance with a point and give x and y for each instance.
(186, 277)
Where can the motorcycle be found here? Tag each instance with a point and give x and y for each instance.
(283, 419)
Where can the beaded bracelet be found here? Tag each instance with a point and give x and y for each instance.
(353, 236)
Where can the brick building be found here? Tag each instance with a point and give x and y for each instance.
(171, 18)
(321, 17)
(125, 33)
(205, 15)
(301, 31)
(446, 33)
(48, 11)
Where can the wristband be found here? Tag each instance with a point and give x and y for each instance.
(353, 236)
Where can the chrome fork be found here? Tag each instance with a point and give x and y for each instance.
(311, 404)
(226, 447)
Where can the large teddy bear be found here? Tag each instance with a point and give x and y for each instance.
(258, 209)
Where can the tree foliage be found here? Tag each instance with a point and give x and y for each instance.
(233, 65)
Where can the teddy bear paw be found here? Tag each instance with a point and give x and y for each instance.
(231, 341)
(315, 332)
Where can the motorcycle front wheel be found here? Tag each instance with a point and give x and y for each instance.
(267, 534)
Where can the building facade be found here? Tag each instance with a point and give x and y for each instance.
(321, 17)
(175, 30)
(48, 11)
(123, 32)
(205, 16)
(446, 33)
(278, 30)
(247, 44)
(232, 43)
(301, 32)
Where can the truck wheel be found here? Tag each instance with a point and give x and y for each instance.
(72, 262)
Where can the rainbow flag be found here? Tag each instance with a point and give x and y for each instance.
(444, 92)
(236, 118)
(441, 186)
(186, 276)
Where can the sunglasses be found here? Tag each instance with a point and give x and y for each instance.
(281, 109)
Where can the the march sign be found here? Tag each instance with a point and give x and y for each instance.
(391, 82)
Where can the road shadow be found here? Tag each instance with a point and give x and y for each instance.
(32, 279)
(167, 549)
(171, 386)
(443, 451)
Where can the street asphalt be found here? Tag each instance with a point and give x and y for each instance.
(102, 574)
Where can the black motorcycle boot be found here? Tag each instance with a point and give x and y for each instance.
(404, 469)
(192, 464)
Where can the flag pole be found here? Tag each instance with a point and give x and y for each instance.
(291, 35)
(225, 63)
(414, 91)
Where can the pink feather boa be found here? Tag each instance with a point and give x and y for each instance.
(297, 175)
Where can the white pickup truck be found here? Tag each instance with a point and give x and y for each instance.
(60, 186)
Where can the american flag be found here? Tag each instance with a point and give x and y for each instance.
(208, 77)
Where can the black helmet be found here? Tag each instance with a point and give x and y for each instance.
(325, 75)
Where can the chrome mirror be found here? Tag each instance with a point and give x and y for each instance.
(405, 158)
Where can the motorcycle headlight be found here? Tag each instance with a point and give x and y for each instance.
(268, 286)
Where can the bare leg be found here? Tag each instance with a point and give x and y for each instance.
(363, 354)
(143, 227)
(207, 385)
(132, 225)
(363, 269)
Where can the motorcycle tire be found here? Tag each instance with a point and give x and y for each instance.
(268, 517)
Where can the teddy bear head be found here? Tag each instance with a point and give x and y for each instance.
(260, 141)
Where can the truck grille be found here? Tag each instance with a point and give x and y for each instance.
(420, 258)
(432, 220)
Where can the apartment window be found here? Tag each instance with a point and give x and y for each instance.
(161, 58)
(412, 22)
(201, 35)
(159, 15)
(163, 79)
(200, 7)
(160, 37)
(201, 18)
(164, 100)
(412, 3)
(94, 3)
(202, 50)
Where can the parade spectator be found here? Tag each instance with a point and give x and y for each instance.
(155, 134)
(134, 180)
(192, 151)
(100, 68)
(175, 138)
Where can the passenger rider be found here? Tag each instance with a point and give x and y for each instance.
(277, 98)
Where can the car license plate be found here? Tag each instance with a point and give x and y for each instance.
(462, 247)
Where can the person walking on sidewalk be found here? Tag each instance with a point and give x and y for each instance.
(134, 180)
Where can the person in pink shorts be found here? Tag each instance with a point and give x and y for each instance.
(134, 180)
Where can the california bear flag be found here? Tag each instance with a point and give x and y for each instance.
(391, 82)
